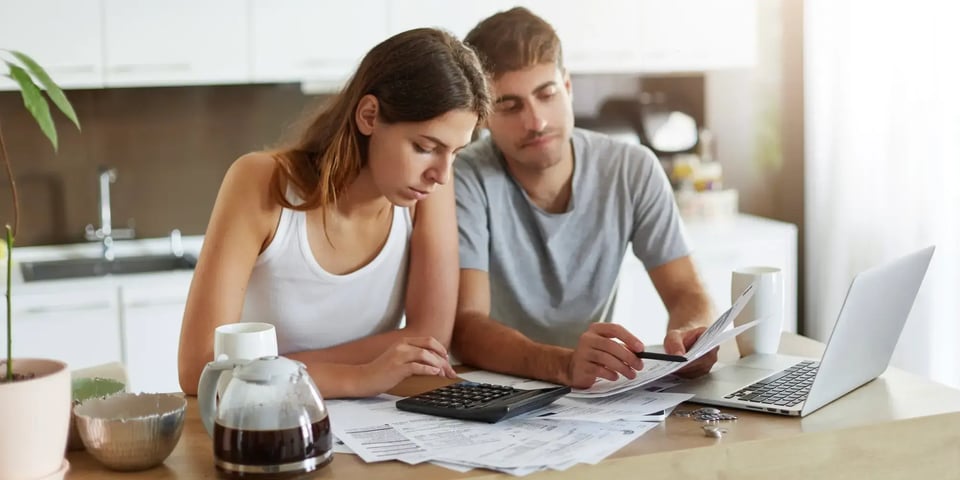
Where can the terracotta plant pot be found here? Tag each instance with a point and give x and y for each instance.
(34, 419)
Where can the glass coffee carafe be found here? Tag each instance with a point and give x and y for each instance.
(270, 421)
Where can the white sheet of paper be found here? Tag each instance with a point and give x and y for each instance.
(634, 405)
(378, 443)
(340, 447)
(452, 466)
(535, 443)
(656, 369)
(362, 425)
(376, 431)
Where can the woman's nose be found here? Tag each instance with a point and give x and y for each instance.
(440, 173)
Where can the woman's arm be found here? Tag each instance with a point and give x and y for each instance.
(432, 283)
(241, 224)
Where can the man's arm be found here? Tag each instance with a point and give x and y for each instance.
(481, 341)
(689, 308)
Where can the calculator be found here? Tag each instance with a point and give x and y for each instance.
(480, 402)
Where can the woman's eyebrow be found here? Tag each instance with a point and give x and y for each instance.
(435, 140)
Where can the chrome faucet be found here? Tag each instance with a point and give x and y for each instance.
(106, 233)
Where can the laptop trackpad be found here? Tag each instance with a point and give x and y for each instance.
(723, 381)
(740, 374)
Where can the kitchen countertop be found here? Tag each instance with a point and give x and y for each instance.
(861, 434)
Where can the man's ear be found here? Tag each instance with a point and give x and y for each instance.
(366, 115)
(567, 83)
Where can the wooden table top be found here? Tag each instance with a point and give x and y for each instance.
(877, 417)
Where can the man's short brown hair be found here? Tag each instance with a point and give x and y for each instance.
(514, 40)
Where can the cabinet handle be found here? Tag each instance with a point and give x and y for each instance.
(603, 56)
(319, 63)
(155, 302)
(159, 68)
(66, 308)
(70, 69)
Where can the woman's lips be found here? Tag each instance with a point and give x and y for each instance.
(418, 194)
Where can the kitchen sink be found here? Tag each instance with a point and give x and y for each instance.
(98, 267)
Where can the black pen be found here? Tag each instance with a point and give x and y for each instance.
(661, 356)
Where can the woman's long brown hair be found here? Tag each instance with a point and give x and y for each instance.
(416, 75)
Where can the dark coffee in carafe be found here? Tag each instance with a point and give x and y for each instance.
(272, 453)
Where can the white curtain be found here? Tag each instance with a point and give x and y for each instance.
(882, 130)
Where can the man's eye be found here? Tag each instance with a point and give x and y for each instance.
(548, 94)
(509, 107)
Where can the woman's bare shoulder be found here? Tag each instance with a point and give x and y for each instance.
(251, 176)
(255, 166)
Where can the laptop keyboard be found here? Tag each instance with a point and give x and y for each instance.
(785, 388)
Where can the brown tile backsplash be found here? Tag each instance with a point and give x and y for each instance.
(170, 147)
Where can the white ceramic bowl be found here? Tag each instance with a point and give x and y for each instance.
(128, 431)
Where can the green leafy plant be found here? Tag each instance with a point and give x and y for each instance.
(32, 80)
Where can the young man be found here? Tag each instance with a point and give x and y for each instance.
(546, 212)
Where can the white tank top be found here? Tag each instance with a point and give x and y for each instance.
(312, 308)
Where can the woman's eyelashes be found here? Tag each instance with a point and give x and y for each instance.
(421, 149)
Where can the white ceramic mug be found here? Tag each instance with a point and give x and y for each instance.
(242, 341)
(766, 304)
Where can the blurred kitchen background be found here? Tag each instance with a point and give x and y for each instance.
(839, 117)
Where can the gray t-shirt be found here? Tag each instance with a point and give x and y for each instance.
(551, 275)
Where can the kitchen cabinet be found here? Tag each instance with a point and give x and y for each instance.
(77, 325)
(597, 37)
(295, 40)
(457, 18)
(150, 316)
(132, 319)
(175, 42)
(62, 35)
(616, 36)
(695, 35)
(719, 247)
(126, 43)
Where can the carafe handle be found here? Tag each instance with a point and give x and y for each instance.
(207, 389)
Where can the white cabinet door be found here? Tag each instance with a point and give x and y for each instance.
(151, 318)
(696, 35)
(296, 40)
(456, 17)
(63, 36)
(597, 37)
(77, 326)
(175, 42)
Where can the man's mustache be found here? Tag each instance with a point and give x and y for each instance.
(534, 136)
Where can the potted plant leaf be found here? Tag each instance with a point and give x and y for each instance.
(34, 393)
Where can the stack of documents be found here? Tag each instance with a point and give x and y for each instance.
(566, 433)
(585, 426)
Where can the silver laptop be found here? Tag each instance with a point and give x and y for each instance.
(870, 321)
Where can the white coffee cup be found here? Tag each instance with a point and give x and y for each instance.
(242, 341)
(766, 305)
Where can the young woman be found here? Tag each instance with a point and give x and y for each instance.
(336, 237)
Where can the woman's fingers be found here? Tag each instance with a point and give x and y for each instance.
(432, 352)
(423, 369)
(428, 343)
